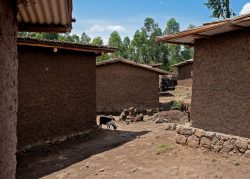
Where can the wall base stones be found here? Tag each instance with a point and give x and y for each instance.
(56, 140)
(213, 141)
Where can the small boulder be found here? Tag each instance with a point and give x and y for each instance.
(209, 135)
(206, 143)
(139, 118)
(185, 130)
(159, 121)
(227, 146)
(241, 145)
(181, 139)
(131, 111)
(224, 137)
(193, 141)
(247, 154)
(170, 126)
(199, 133)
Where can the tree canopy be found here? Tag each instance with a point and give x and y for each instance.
(220, 8)
(141, 48)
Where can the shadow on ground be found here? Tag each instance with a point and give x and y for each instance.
(167, 94)
(53, 158)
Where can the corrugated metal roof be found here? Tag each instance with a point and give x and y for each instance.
(47, 15)
(146, 67)
(188, 37)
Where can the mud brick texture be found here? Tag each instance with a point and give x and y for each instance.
(185, 75)
(57, 93)
(221, 84)
(122, 85)
(8, 88)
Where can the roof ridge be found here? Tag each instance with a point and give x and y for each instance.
(126, 61)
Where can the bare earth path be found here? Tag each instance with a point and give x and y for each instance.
(142, 150)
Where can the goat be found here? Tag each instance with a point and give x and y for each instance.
(107, 120)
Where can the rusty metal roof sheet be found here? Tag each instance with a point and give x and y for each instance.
(188, 37)
(44, 15)
(32, 42)
(128, 62)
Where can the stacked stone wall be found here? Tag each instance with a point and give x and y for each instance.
(213, 141)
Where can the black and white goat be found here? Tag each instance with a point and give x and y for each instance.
(108, 121)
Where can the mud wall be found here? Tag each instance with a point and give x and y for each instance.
(8, 89)
(122, 86)
(185, 75)
(56, 94)
(221, 84)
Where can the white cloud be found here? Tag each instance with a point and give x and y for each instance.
(245, 9)
(97, 28)
(164, 3)
(115, 28)
(106, 28)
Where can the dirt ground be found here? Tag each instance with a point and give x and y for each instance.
(180, 94)
(140, 150)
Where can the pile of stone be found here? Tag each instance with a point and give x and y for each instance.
(131, 115)
(217, 142)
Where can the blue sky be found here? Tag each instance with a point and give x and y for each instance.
(101, 17)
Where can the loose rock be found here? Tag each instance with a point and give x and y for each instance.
(180, 139)
(241, 145)
(247, 154)
(209, 135)
(193, 141)
(170, 126)
(227, 146)
(183, 130)
(199, 132)
(206, 143)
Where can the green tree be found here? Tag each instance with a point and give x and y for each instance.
(97, 41)
(67, 37)
(85, 39)
(145, 49)
(49, 36)
(172, 27)
(115, 41)
(174, 50)
(220, 8)
(187, 52)
(126, 48)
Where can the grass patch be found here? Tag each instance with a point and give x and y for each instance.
(162, 148)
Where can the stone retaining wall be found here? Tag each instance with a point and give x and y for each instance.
(217, 142)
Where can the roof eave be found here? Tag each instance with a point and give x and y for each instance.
(22, 27)
(204, 31)
(66, 46)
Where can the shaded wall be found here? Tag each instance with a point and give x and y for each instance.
(185, 75)
(56, 94)
(221, 84)
(8, 89)
(122, 86)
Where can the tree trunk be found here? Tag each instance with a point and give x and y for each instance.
(228, 14)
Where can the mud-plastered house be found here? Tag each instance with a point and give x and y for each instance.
(122, 84)
(56, 89)
(184, 73)
(221, 74)
(22, 15)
